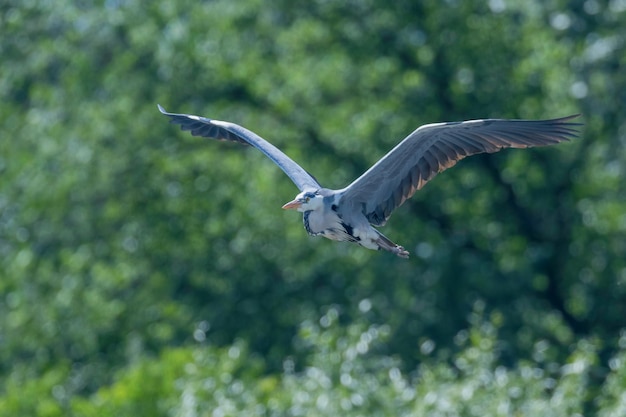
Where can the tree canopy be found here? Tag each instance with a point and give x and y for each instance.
(147, 272)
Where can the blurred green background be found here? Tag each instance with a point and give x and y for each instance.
(144, 272)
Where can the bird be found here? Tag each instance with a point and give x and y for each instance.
(353, 213)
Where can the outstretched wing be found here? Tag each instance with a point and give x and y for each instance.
(433, 148)
(215, 129)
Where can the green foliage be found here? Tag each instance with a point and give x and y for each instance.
(345, 374)
(43, 395)
(133, 256)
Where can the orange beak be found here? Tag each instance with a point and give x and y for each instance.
(292, 205)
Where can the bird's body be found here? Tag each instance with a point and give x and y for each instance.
(349, 214)
(325, 214)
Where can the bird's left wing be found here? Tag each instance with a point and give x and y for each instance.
(215, 129)
(433, 148)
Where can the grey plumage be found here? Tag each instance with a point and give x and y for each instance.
(348, 214)
(215, 129)
(433, 148)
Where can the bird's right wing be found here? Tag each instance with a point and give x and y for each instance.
(435, 147)
(215, 129)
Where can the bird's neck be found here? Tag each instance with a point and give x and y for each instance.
(307, 224)
(314, 222)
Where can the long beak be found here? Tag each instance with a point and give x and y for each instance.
(292, 205)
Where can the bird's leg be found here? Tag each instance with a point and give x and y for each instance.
(384, 243)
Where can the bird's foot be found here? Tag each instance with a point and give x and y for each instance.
(384, 243)
(401, 252)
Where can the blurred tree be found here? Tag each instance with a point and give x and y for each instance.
(120, 236)
(344, 376)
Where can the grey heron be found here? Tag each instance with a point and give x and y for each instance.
(350, 213)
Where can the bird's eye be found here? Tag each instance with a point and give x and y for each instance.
(307, 199)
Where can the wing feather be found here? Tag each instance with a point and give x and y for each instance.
(215, 129)
(433, 148)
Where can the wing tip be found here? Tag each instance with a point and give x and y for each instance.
(570, 117)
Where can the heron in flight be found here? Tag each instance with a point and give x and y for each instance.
(350, 213)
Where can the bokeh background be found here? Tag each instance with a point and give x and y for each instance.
(144, 272)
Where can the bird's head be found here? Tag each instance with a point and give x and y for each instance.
(305, 201)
